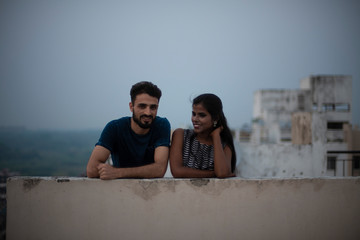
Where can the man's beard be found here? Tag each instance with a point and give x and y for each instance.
(143, 125)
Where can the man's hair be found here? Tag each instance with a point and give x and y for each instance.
(145, 87)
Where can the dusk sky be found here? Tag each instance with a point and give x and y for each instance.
(70, 64)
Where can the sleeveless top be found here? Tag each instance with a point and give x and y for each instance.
(195, 154)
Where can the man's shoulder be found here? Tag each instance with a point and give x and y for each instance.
(119, 121)
(118, 124)
(162, 122)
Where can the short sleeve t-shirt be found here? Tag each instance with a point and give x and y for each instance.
(129, 149)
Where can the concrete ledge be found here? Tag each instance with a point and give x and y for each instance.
(81, 208)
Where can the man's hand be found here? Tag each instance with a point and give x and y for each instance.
(107, 172)
(98, 168)
(98, 156)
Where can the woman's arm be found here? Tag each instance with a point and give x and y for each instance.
(222, 156)
(176, 161)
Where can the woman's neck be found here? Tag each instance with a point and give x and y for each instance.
(204, 138)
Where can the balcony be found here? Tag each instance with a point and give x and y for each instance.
(82, 208)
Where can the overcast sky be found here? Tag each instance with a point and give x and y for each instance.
(70, 64)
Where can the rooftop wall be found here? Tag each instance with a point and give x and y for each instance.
(81, 208)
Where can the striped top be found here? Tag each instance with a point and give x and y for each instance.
(195, 154)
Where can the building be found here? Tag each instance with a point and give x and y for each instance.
(303, 132)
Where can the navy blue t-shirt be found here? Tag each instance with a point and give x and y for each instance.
(129, 149)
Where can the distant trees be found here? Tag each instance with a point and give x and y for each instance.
(46, 153)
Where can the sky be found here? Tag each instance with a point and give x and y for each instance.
(70, 64)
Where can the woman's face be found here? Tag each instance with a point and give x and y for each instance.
(201, 119)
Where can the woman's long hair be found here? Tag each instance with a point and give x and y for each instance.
(213, 105)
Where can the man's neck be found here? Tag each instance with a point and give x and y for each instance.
(137, 129)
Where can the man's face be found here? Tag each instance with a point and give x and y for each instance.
(144, 110)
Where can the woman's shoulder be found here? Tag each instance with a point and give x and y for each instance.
(178, 131)
(183, 132)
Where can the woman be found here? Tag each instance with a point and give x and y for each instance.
(207, 150)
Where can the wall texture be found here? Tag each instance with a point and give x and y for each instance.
(281, 160)
(81, 208)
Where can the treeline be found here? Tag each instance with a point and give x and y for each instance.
(46, 153)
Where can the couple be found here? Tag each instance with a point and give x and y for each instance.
(139, 145)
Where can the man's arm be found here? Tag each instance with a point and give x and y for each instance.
(153, 170)
(176, 161)
(98, 156)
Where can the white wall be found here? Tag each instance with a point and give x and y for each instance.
(81, 208)
(281, 160)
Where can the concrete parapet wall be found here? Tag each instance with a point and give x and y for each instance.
(81, 208)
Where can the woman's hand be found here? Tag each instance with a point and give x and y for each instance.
(216, 131)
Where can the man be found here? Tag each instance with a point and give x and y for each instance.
(139, 145)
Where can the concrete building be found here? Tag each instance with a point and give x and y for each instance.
(297, 133)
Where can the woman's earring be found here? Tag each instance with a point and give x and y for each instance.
(215, 122)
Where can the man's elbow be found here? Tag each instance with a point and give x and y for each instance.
(160, 171)
(90, 173)
(160, 175)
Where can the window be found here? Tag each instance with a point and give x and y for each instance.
(314, 107)
(337, 107)
(331, 163)
(326, 107)
(335, 125)
(285, 139)
(356, 162)
(342, 107)
(301, 102)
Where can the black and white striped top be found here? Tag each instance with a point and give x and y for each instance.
(195, 154)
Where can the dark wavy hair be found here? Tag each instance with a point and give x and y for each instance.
(213, 105)
(145, 87)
